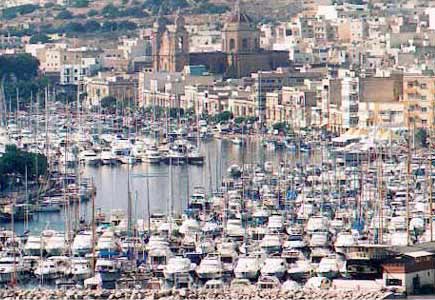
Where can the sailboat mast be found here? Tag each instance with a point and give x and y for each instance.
(47, 139)
(26, 221)
(14, 274)
(93, 235)
(430, 185)
(408, 171)
(381, 198)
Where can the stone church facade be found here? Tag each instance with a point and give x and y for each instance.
(241, 54)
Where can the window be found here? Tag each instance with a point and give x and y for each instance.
(232, 44)
(180, 43)
(393, 281)
(245, 44)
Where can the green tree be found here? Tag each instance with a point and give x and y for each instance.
(223, 116)
(20, 72)
(281, 126)
(108, 102)
(110, 11)
(39, 38)
(421, 137)
(81, 3)
(64, 15)
(14, 163)
(92, 13)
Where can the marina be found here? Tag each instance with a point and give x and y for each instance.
(273, 212)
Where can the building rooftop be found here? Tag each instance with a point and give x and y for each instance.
(416, 254)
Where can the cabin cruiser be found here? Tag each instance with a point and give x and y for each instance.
(275, 223)
(214, 285)
(152, 155)
(343, 241)
(271, 243)
(108, 245)
(268, 282)
(234, 229)
(10, 265)
(80, 269)
(299, 270)
(189, 226)
(319, 239)
(107, 158)
(34, 246)
(331, 266)
(108, 269)
(82, 244)
(89, 157)
(159, 254)
(210, 267)
(195, 157)
(228, 255)
(55, 245)
(177, 267)
(274, 266)
(318, 283)
(290, 285)
(247, 267)
(128, 159)
(175, 158)
(317, 224)
(52, 268)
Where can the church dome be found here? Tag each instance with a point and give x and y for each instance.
(179, 19)
(161, 21)
(239, 17)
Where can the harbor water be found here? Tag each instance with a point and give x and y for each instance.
(112, 182)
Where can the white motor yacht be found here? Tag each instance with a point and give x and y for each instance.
(319, 239)
(51, 268)
(274, 266)
(343, 241)
(210, 267)
(10, 265)
(108, 245)
(317, 224)
(159, 255)
(177, 267)
(55, 245)
(228, 255)
(330, 266)
(247, 267)
(153, 156)
(107, 158)
(80, 269)
(271, 243)
(108, 269)
(82, 244)
(89, 157)
(34, 246)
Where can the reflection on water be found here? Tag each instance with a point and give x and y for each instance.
(112, 182)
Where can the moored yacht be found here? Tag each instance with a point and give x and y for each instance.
(82, 244)
(210, 267)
